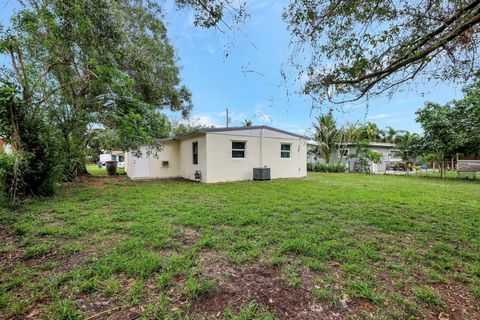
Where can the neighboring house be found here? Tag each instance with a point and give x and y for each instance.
(390, 161)
(223, 154)
(312, 156)
(118, 156)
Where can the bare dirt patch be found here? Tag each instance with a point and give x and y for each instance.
(189, 236)
(265, 284)
(10, 253)
(459, 304)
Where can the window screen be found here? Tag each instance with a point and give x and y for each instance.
(238, 149)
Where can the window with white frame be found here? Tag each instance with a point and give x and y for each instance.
(343, 153)
(285, 150)
(238, 149)
(195, 152)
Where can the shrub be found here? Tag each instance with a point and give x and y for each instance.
(24, 174)
(34, 167)
(318, 167)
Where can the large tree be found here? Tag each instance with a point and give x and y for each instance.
(360, 48)
(350, 50)
(452, 129)
(96, 63)
(440, 138)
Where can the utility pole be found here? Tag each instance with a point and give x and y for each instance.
(227, 119)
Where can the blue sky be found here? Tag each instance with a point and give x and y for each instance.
(218, 82)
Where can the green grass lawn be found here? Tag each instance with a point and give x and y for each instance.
(93, 169)
(331, 246)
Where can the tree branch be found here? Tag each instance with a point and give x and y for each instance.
(398, 64)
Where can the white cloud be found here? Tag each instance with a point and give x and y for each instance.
(263, 116)
(201, 120)
(259, 113)
(381, 116)
(233, 115)
(259, 5)
(211, 49)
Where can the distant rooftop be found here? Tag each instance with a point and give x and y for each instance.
(371, 144)
(224, 129)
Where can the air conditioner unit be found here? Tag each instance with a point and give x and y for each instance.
(261, 174)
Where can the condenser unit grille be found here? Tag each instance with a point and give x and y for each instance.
(261, 174)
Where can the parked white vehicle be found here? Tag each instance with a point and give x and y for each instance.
(113, 156)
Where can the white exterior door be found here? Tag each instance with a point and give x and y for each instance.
(141, 165)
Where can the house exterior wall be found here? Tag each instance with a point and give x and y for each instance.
(131, 166)
(221, 167)
(215, 161)
(187, 168)
(262, 149)
(385, 151)
(293, 167)
(170, 153)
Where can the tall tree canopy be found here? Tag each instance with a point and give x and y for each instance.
(77, 65)
(454, 128)
(355, 48)
(86, 63)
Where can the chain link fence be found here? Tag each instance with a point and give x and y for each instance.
(439, 169)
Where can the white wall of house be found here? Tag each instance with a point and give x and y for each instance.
(221, 167)
(138, 167)
(295, 166)
(187, 167)
(169, 152)
(262, 148)
(215, 161)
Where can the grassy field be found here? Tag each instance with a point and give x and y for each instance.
(93, 169)
(331, 246)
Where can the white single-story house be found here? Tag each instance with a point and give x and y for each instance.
(389, 161)
(223, 154)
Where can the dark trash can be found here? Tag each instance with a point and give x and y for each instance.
(111, 167)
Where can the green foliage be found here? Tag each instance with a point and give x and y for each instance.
(82, 64)
(356, 50)
(250, 312)
(409, 146)
(452, 129)
(365, 156)
(428, 296)
(3, 300)
(326, 135)
(247, 123)
(35, 165)
(65, 310)
(196, 287)
(318, 167)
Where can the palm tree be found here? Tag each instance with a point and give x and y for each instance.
(247, 123)
(373, 132)
(326, 135)
(390, 134)
(408, 145)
